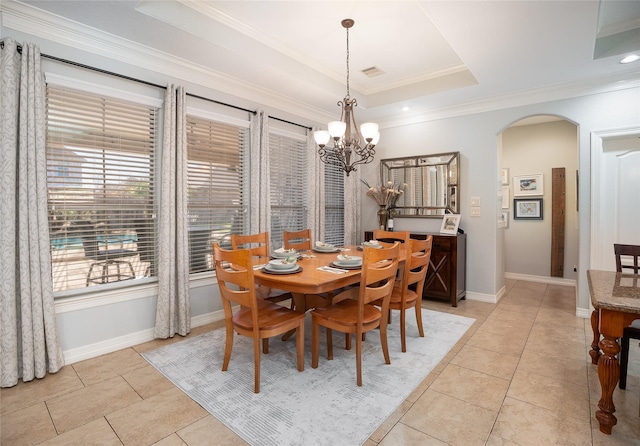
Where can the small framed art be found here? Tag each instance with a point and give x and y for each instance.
(505, 197)
(524, 185)
(504, 219)
(527, 209)
(504, 176)
(450, 223)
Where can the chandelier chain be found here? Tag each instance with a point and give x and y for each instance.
(348, 94)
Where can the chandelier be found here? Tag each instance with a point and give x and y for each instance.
(350, 145)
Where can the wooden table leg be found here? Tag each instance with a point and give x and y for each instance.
(595, 349)
(608, 374)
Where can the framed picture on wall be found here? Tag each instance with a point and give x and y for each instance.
(504, 219)
(504, 176)
(450, 223)
(531, 184)
(505, 197)
(527, 209)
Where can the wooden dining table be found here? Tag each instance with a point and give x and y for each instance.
(310, 284)
(616, 301)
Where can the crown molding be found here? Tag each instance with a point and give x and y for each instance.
(48, 26)
(558, 92)
(39, 23)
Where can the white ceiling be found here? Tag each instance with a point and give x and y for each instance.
(436, 56)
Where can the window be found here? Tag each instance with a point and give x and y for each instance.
(334, 205)
(217, 188)
(288, 184)
(100, 178)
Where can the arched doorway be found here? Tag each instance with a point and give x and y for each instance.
(539, 147)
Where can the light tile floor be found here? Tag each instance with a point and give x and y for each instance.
(520, 376)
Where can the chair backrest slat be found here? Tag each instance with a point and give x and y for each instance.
(234, 272)
(257, 243)
(299, 240)
(379, 269)
(632, 251)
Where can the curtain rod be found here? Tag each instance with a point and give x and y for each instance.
(289, 122)
(122, 76)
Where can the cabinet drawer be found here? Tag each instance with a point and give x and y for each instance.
(442, 243)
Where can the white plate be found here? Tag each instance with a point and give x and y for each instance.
(284, 255)
(347, 265)
(352, 261)
(325, 249)
(289, 267)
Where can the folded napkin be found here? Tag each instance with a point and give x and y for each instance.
(331, 270)
(324, 245)
(371, 243)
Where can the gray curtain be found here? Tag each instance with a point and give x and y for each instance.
(315, 190)
(260, 190)
(353, 208)
(29, 345)
(173, 312)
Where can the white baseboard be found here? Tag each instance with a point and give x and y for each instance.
(541, 279)
(111, 345)
(583, 313)
(480, 297)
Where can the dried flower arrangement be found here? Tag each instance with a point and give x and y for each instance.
(385, 195)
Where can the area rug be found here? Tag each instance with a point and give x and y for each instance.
(316, 407)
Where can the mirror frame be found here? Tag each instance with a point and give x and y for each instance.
(452, 206)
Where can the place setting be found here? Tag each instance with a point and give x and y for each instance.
(370, 244)
(347, 262)
(288, 265)
(325, 248)
(282, 253)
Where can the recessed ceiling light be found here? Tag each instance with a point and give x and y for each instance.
(630, 58)
(405, 108)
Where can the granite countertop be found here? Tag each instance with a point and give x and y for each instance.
(614, 291)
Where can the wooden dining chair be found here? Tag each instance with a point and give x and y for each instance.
(352, 311)
(299, 240)
(256, 319)
(414, 272)
(624, 252)
(390, 236)
(258, 244)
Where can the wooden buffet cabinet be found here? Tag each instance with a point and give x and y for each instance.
(446, 276)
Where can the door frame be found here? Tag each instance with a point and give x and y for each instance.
(598, 192)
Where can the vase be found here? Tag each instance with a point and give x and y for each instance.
(383, 217)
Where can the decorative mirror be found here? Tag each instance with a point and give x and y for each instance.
(432, 184)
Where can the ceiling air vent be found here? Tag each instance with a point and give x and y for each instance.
(373, 71)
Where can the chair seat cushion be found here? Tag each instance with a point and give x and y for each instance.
(270, 316)
(346, 311)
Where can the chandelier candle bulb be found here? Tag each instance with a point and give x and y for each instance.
(337, 129)
(369, 130)
(322, 137)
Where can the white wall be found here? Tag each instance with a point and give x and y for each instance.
(477, 137)
(532, 149)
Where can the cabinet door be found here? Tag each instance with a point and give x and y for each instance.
(438, 282)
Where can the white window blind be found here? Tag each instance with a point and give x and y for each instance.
(334, 205)
(100, 176)
(218, 190)
(288, 183)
